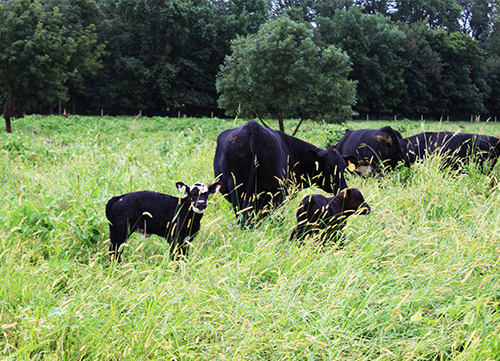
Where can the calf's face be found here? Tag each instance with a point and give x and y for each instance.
(198, 194)
(354, 200)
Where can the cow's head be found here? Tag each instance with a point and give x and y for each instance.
(197, 194)
(330, 168)
(408, 150)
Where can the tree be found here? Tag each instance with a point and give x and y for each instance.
(382, 7)
(375, 45)
(492, 67)
(476, 17)
(423, 68)
(164, 55)
(81, 20)
(437, 13)
(281, 72)
(460, 90)
(37, 59)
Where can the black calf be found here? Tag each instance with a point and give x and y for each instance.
(173, 218)
(318, 213)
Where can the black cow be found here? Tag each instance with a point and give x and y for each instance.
(328, 216)
(374, 149)
(455, 148)
(145, 212)
(257, 165)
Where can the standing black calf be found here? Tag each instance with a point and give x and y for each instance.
(318, 213)
(176, 219)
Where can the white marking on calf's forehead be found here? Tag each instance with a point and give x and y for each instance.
(201, 187)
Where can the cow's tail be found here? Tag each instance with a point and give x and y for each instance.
(250, 202)
(109, 208)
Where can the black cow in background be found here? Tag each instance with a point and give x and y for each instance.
(374, 149)
(456, 148)
(257, 165)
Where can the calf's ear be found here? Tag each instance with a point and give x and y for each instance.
(214, 187)
(182, 187)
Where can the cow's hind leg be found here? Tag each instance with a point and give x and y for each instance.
(118, 233)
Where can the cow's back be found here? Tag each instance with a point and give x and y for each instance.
(455, 147)
(444, 143)
(312, 208)
(249, 151)
(143, 204)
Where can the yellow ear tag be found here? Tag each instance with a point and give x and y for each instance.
(351, 166)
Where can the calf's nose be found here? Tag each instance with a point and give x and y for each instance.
(201, 205)
(365, 209)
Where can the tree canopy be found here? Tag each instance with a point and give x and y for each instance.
(39, 57)
(424, 57)
(281, 72)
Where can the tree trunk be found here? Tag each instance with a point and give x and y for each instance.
(8, 127)
(298, 126)
(281, 123)
(10, 110)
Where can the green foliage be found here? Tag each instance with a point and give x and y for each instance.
(375, 46)
(164, 55)
(281, 72)
(409, 69)
(436, 13)
(416, 280)
(40, 57)
(410, 58)
(34, 52)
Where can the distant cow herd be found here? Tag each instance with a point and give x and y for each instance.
(256, 168)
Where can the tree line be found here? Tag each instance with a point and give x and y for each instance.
(415, 58)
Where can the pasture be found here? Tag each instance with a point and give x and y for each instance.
(418, 278)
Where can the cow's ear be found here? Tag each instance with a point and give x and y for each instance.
(182, 187)
(214, 188)
(352, 162)
(348, 192)
(312, 155)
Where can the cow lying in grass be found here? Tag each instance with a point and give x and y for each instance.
(145, 212)
(457, 149)
(328, 216)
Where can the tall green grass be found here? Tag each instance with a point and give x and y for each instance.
(418, 278)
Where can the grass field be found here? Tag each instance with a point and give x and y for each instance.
(418, 278)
